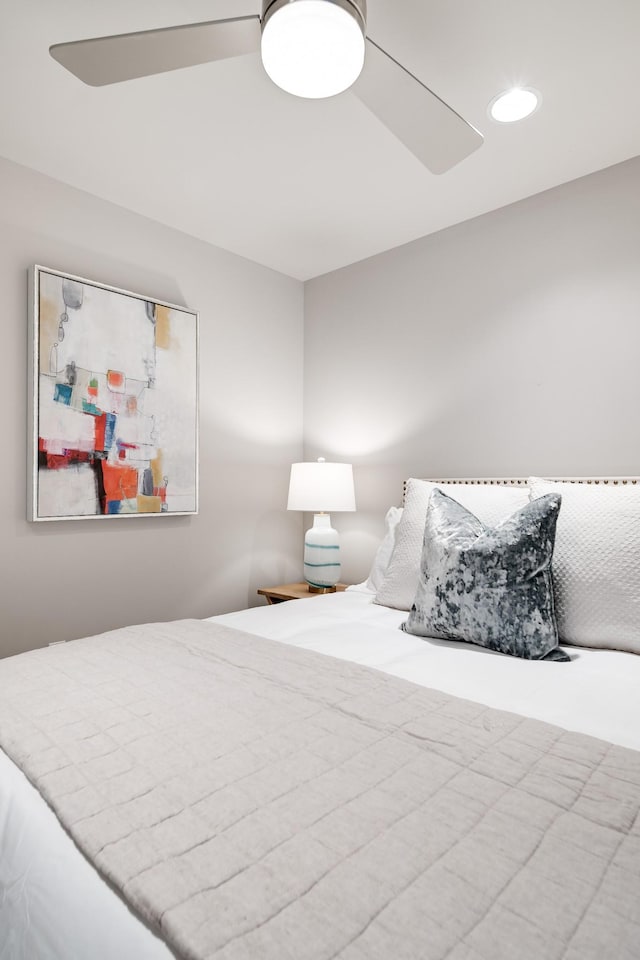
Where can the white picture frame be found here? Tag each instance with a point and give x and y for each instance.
(113, 402)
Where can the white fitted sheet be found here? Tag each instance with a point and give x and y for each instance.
(54, 906)
(596, 693)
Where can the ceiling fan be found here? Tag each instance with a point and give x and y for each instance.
(310, 48)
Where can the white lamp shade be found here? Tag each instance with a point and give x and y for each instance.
(312, 48)
(321, 487)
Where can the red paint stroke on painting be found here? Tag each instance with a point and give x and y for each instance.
(100, 430)
(120, 483)
(123, 447)
(160, 492)
(115, 380)
(58, 461)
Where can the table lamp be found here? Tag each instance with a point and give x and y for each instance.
(321, 488)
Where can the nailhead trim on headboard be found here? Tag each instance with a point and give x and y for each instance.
(521, 481)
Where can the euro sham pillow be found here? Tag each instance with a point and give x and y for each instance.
(490, 503)
(596, 563)
(384, 551)
(491, 586)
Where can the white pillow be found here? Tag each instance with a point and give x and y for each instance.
(490, 503)
(596, 563)
(383, 555)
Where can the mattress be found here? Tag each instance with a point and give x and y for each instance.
(54, 905)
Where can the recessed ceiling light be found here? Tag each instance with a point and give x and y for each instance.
(515, 104)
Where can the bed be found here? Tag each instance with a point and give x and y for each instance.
(573, 886)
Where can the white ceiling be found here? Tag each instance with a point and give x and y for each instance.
(306, 187)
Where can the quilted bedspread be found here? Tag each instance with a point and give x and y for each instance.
(255, 801)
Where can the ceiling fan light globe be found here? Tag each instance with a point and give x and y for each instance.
(313, 48)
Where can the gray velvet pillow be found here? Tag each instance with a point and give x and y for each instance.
(489, 585)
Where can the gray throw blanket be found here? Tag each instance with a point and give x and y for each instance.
(254, 801)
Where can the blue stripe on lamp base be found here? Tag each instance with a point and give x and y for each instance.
(321, 579)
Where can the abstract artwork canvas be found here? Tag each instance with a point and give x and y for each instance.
(114, 402)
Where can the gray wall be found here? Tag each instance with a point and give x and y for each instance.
(68, 579)
(504, 346)
(507, 345)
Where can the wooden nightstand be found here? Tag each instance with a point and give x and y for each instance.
(293, 591)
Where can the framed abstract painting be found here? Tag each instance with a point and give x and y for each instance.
(113, 402)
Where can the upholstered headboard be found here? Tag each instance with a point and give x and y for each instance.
(522, 481)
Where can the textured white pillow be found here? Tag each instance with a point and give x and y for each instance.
(489, 503)
(383, 555)
(596, 563)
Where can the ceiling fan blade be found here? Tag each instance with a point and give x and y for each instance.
(128, 56)
(430, 129)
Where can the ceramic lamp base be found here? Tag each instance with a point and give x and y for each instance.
(322, 555)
